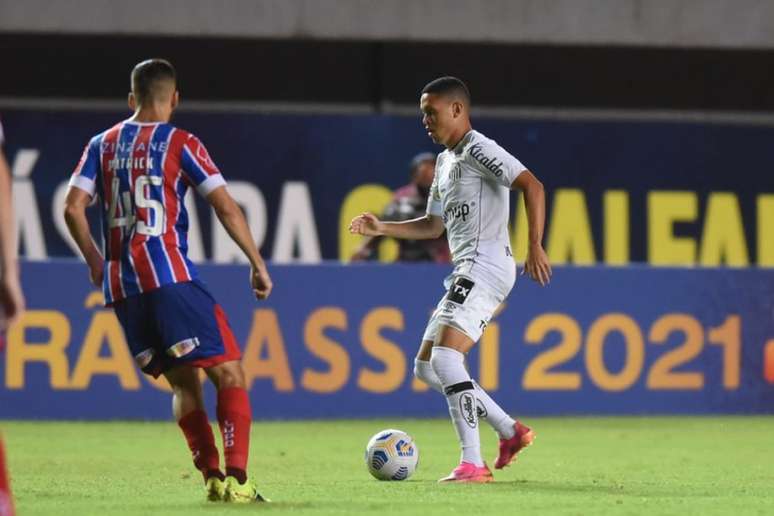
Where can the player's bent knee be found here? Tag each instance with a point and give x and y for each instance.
(227, 375)
(183, 377)
(418, 373)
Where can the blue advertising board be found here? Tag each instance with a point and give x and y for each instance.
(339, 341)
(618, 192)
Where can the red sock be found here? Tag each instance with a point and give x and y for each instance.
(6, 501)
(201, 441)
(234, 417)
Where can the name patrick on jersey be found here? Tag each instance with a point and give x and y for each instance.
(132, 162)
(491, 164)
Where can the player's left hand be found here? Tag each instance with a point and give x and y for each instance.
(537, 265)
(261, 282)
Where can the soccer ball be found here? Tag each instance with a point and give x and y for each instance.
(391, 455)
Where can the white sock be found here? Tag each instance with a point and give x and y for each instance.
(494, 414)
(487, 408)
(449, 366)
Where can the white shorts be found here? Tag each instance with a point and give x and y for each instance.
(467, 306)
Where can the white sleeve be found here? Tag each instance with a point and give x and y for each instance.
(494, 163)
(2, 135)
(83, 183)
(434, 205)
(210, 184)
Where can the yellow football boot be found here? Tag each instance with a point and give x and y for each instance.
(216, 489)
(241, 493)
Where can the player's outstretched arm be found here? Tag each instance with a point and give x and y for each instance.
(11, 296)
(230, 215)
(78, 225)
(536, 265)
(422, 228)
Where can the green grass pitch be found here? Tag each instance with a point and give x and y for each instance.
(647, 465)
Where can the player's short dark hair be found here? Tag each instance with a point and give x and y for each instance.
(448, 86)
(147, 75)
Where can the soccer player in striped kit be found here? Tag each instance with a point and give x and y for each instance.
(469, 199)
(11, 298)
(140, 169)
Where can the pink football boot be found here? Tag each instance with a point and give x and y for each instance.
(468, 472)
(510, 447)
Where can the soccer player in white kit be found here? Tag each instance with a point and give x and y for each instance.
(469, 198)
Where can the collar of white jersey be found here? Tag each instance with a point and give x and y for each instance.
(457, 149)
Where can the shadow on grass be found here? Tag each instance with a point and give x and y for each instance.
(217, 507)
(602, 488)
(271, 506)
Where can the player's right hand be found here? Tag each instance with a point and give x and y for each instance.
(11, 302)
(537, 265)
(366, 224)
(260, 282)
(97, 273)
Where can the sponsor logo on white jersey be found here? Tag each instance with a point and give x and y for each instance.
(491, 164)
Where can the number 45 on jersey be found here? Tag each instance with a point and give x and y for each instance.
(153, 223)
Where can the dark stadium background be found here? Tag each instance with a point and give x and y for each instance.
(379, 74)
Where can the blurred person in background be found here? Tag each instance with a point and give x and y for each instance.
(11, 298)
(409, 202)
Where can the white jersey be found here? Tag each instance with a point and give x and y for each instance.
(471, 191)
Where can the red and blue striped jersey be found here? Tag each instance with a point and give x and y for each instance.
(141, 173)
